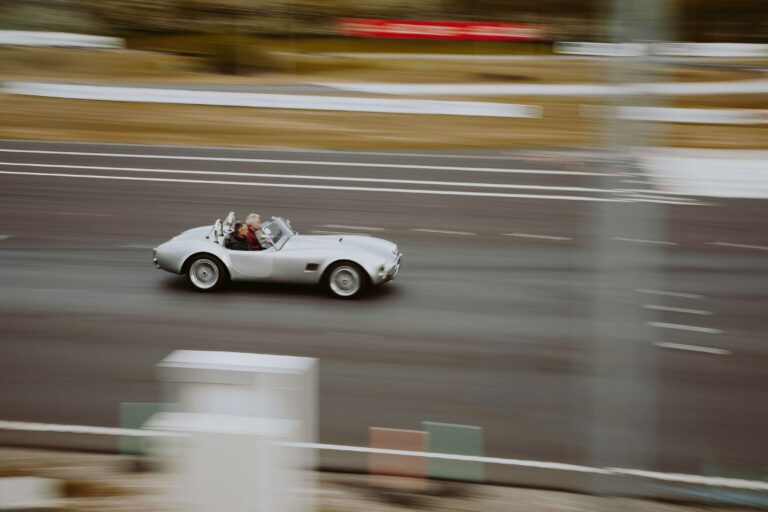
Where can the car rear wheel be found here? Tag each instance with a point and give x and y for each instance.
(346, 280)
(206, 273)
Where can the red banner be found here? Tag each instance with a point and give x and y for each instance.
(359, 27)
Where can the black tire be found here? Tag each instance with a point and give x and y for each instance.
(206, 273)
(346, 280)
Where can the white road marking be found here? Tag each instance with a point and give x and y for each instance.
(361, 228)
(84, 214)
(676, 310)
(674, 477)
(641, 241)
(680, 327)
(138, 246)
(305, 177)
(318, 187)
(444, 232)
(269, 150)
(693, 348)
(5, 237)
(311, 162)
(740, 246)
(324, 232)
(671, 294)
(545, 237)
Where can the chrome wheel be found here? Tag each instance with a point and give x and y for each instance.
(204, 274)
(345, 281)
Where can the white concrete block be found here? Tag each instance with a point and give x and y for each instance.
(29, 492)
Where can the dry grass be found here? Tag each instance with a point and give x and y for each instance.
(133, 66)
(562, 125)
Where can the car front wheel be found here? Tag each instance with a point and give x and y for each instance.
(346, 280)
(206, 273)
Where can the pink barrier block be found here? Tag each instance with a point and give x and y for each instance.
(382, 466)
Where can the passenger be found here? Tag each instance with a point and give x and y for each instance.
(238, 239)
(254, 225)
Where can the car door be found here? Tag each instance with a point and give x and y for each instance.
(253, 264)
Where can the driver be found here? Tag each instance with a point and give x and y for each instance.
(253, 221)
(238, 239)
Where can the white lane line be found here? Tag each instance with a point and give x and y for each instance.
(305, 177)
(642, 241)
(361, 228)
(267, 150)
(138, 246)
(680, 327)
(545, 237)
(676, 310)
(693, 348)
(324, 232)
(670, 294)
(311, 162)
(5, 237)
(317, 187)
(444, 232)
(84, 214)
(739, 246)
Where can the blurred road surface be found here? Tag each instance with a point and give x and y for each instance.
(489, 323)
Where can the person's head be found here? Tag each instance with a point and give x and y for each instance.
(241, 229)
(253, 220)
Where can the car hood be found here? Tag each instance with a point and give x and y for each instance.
(342, 241)
(194, 233)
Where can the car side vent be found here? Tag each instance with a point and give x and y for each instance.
(311, 267)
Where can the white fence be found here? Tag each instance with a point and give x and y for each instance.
(57, 39)
(730, 50)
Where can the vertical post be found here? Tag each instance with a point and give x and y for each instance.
(625, 370)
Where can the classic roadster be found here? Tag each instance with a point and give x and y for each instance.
(346, 265)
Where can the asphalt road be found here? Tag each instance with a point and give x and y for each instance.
(532, 317)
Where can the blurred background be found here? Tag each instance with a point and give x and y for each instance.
(578, 189)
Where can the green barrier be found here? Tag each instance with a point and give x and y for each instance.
(134, 415)
(458, 440)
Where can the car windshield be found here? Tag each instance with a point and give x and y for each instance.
(278, 230)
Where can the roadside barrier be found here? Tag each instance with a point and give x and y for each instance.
(57, 39)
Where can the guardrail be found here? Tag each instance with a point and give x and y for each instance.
(730, 50)
(733, 483)
(57, 39)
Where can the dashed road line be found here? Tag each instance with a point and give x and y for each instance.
(544, 237)
(693, 348)
(739, 246)
(324, 232)
(361, 228)
(444, 232)
(681, 327)
(642, 241)
(676, 310)
(138, 246)
(670, 294)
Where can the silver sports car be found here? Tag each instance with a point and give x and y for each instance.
(346, 265)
